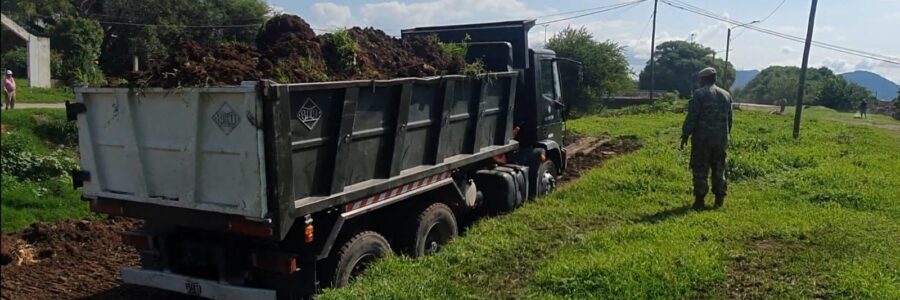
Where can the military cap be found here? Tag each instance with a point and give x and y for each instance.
(706, 72)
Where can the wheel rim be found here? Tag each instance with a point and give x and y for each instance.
(438, 236)
(361, 264)
(548, 182)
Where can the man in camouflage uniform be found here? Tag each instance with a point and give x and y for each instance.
(708, 124)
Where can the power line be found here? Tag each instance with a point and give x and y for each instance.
(608, 8)
(181, 26)
(714, 15)
(690, 8)
(761, 20)
(572, 12)
(773, 11)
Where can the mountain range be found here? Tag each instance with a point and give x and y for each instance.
(882, 87)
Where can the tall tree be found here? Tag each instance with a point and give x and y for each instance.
(37, 15)
(150, 29)
(604, 67)
(677, 64)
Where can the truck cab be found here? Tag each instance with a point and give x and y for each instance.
(540, 111)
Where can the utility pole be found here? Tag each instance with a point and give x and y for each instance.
(653, 53)
(801, 88)
(728, 47)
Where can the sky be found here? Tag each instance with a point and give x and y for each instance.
(867, 25)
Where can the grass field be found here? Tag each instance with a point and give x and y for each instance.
(38, 145)
(26, 94)
(814, 218)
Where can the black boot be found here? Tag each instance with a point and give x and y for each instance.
(720, 199)
(699, 202)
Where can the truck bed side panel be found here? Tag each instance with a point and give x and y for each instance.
(191, 148)
(362, 136)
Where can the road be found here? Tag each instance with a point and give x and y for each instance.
(40, 105)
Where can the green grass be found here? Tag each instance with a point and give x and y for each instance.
(814, 218)
(26, 94)
(25, 201)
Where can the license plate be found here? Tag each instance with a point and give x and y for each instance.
(192, 287)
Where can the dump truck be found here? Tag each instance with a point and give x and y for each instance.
(273, 191)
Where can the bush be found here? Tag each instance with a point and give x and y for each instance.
(25, 165)
(80, 40)
(17, 61)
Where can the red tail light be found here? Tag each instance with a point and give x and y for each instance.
(242, 226)
(109, 208)
(138, 240)
(275, 262)
(308, 233)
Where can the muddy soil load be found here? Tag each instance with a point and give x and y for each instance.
(287, 50)
(290, 51)
(197, 65)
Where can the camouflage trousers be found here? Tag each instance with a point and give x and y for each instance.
(706, 158)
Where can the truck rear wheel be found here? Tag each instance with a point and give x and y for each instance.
(435, 226)
(357, 254)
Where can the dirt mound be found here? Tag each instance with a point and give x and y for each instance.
(197, 65)
(66, 260)
(287, 50)
(290, 51)
(283, 27)
(429, 49)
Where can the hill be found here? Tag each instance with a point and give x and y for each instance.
(743, 77)
(883, 88)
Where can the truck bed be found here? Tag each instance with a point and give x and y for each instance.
(275, 152)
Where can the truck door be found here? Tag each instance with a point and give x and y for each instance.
(550, 107)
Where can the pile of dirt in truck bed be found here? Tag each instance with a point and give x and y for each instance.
(69, 260)
(196, 65)
(287, 50)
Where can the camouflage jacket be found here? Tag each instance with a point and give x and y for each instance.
(709, 116)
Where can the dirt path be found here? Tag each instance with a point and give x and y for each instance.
(40, 105)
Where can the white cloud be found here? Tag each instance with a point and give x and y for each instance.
(395, 14)
(329, 14)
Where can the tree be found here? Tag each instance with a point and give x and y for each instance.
(777, 82)
(823, 87)
(80, 40)
(164, 24)
(36, 15)
(677, 64)
(604, 67)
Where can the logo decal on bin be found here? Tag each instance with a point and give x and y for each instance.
(309, 114)
(227, 118)
(192, 288)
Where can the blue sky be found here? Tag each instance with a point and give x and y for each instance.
(868, 25)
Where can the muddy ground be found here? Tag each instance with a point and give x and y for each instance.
(80, 259)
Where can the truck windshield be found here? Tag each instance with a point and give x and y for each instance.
(549, 80)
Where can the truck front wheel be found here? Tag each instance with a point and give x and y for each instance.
(435, 226)
(357, 254)
(546, 178)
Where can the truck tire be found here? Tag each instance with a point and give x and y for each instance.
(546, 178)
(435, 226)
(357, 254)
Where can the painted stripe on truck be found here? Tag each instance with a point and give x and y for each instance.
(394, 192)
